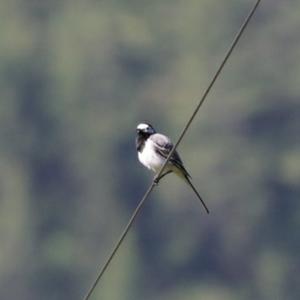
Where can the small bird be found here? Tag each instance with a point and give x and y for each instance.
(153, 148)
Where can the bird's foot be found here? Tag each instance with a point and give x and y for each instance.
(156, 180)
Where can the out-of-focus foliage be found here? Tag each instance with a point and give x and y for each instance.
(75, 79)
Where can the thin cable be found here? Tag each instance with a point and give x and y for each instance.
(154, 183)
(229, 51)
(118, 244)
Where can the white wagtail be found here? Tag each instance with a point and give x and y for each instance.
(153, 148)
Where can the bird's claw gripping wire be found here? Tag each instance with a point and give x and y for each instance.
(157, 179)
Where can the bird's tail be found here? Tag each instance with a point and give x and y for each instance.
(182, 172)
(188, 180)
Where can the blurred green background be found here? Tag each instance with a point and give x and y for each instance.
(76, 79)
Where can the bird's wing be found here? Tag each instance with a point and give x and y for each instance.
(163, 146)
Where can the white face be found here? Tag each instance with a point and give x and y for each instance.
(143, 127)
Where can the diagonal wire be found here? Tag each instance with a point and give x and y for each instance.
(154, 182)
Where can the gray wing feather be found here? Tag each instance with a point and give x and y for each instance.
(163, 146)
(161, 140)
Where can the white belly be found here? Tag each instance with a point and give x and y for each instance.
(149, 158)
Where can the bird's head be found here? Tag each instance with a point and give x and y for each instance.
(145, 129)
